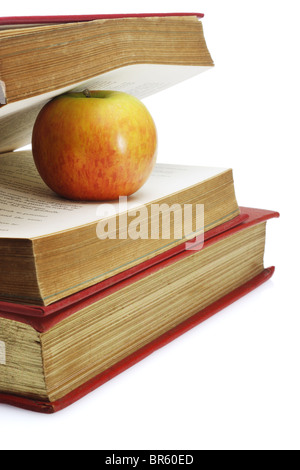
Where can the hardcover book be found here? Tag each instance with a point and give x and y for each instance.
(52, 358)
(51, 248)
(137, 54)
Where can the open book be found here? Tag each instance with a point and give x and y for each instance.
(137, 54)
(51, 248)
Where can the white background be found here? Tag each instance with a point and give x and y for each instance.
(232, 382)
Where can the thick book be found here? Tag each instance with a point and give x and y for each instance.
(51, 248)
(48, 362)
(44, 57)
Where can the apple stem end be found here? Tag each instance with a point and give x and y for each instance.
(87, 93)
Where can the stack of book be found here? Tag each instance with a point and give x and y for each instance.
(86, 293)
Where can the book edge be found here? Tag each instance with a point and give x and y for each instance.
(221, 172)
(18, 20)
(42, 318)
(38, 312)
(163, 340)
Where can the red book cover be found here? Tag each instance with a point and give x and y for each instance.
(26, 20)
(47, 321)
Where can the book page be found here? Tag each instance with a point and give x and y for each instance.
(142, 80)
(139, 80)
(29, 209)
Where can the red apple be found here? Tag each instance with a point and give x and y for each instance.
(94, 145)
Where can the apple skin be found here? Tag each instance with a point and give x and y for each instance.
(94, 145)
